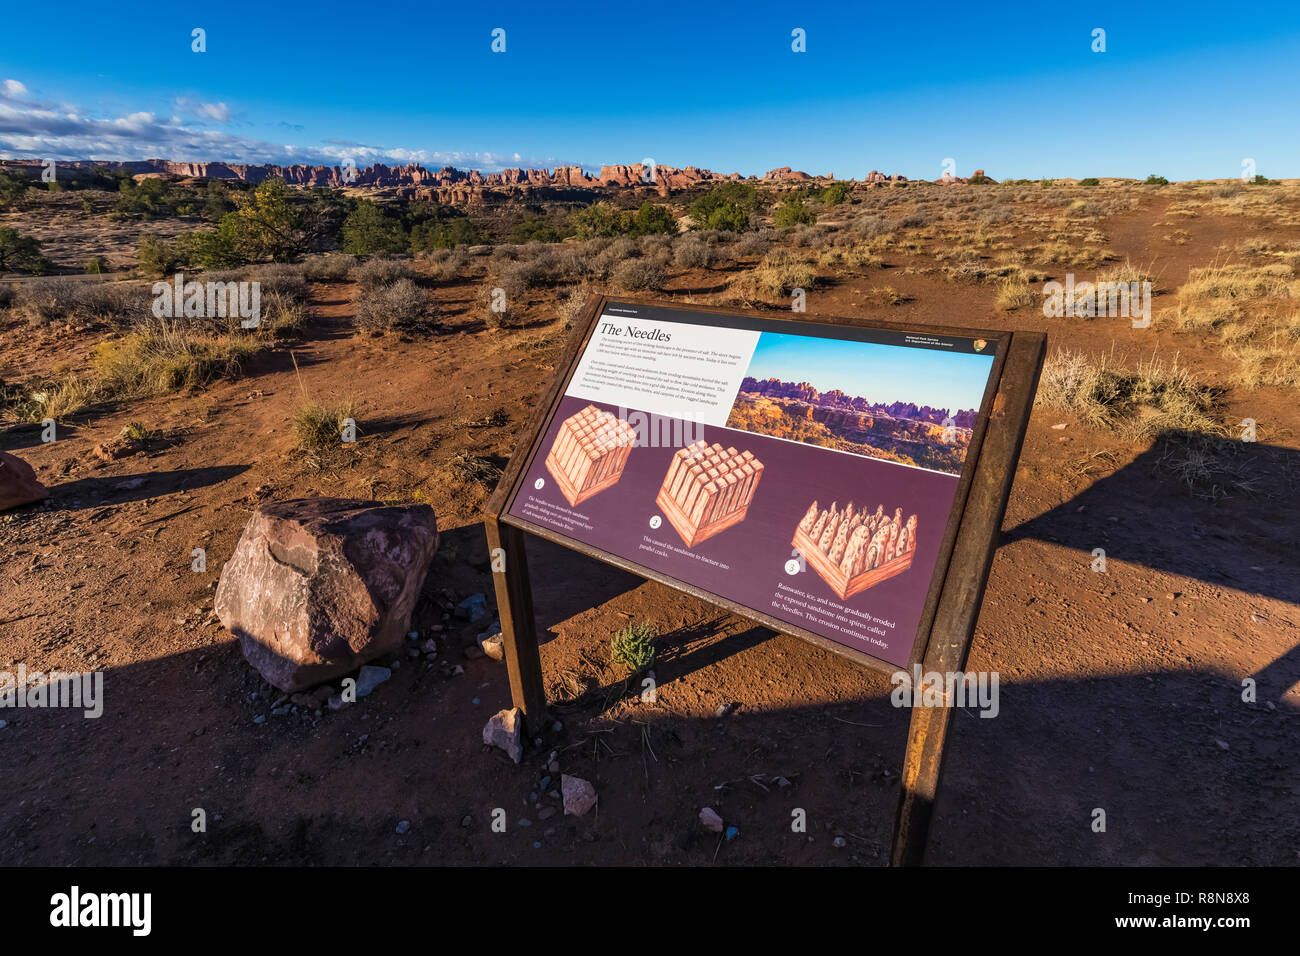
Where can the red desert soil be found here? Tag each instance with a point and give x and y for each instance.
(1120, 690)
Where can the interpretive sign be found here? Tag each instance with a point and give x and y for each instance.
(840, 480)
(805, 471)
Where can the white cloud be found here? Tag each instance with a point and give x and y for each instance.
(30, 130)
(215, 112)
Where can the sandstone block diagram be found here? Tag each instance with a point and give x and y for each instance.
(708, 489)
(853, 550)
(589, 453)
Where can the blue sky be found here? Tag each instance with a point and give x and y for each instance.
(878, 373)
(1187, 91)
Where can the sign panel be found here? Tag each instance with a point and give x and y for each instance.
(807, 472)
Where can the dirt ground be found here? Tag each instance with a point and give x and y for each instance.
(1120, 691)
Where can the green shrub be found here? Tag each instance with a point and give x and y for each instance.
(159, 257)
(368, 230)
(96, 265)
(532, 228)
(834, 194)
(444, 234)
(793, 213)
(1154, 180)
(726, 208)
(651, 219)
(20, 253)
(1090, 181)
(634, 646)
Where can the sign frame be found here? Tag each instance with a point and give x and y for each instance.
(942, 640)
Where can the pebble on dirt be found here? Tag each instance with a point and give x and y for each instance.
(709, 817)
(579, 795)
(371, 677)
(504, 730)
(473, 607)
(494, 646)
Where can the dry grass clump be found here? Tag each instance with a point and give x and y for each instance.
(638, 275)
(1152, 397)
(779, 273)
(750, 245)
(69, 299)
(58, 400)
(396, 305)
(287, 281)
(871, 225)
(382, 271)
(445, 265)
(886, 295)
(331, 267)
(500, 300)
(159, 358)
(1014, 293)
(1210, 466)
(852, 255)
(283, 315)
(1274, 362)
(571, 304)
(1202, 316)
(1241, 281)
(318, 428)
(1126, 274)
(162, 357)
(474, 469)
(692, 252)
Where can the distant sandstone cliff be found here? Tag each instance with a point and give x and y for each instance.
(448, 181)
(838, 400)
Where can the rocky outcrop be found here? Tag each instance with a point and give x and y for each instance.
(319, 586)
(836, 399)
(878, 177)
(18, 483)
(786, 174)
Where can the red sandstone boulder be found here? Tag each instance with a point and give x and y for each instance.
(18, 484)
(319, 586)
(786, 174)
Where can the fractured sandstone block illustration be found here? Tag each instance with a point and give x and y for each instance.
(853, 550)
(708, 488)
(589, 453)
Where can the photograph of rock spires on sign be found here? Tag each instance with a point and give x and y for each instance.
(708, 489)
(852, 550)
(911, 406)
(589, 453)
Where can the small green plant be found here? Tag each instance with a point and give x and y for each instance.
(1090, 181)
(1154, 180)
(1262, 180)
(96, 265)
(634, 646)
(136, 431)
